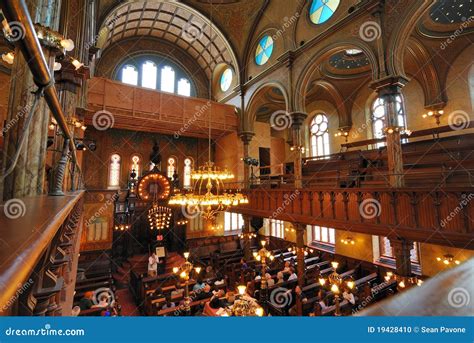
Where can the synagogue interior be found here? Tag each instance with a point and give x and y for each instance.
(236, 158)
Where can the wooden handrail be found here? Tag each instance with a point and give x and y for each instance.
(28, 237)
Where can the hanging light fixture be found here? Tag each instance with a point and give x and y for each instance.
(159, 217)
(209, 194)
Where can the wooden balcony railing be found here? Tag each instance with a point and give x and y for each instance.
(38, 250)
(440, 216)
(147, 110)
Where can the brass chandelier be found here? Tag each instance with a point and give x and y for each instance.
(209, 195)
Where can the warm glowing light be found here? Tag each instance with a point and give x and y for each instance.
(335, 264)
(259, 311)
(67, 44)
(263, 243)
(401, 284)
(350, 284)
(322, 282)
(8, 58)
(186, 255)
(198, 269)
(241, 289)
(175, 270)
(183, 274)
(334, 289)
(78, 65)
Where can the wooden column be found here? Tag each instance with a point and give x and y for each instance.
(388, 90)
(401, 250)
(246, 138)
(300, 232)
(298, 119)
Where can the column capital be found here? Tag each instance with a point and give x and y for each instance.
(389, 84)
(298, 119)
(246, 136)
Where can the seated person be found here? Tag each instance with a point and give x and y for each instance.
(286, 269)
(347, 295)
(199, 284)
(178, 291)
(229, 298)
(220, 280)
(280, 278)
(243, 264)
(270, 281)
(204, 293)
(209, 274)
(86, 301)
(258, 277)
(293, 275)
(169, 304)
(323, 300)
(215, 302)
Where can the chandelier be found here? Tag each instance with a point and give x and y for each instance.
(159, 217)
(209, 195)
(244, 306)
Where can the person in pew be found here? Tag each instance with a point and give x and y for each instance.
(298, 294)
(258, 277)
(270, 281)
(178, 291)
(229, 298)
(243, 264)
(216, 302)
(169, 304)
(198, 285)
(293, 275)
(323, 300)
(210, 274)
(250, 290)
(286, 269)
(280, 278)
(86, 302)
(204, 293)
(220, 279)
(348, 296)
(153, 261)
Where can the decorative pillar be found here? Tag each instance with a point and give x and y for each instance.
(298, 119)
(29, 175)
(300, 232)
(401, 250)
(246, 138)
(247, 239)
(388, 90)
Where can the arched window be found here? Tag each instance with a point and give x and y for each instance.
(167, 79)
(188, 167)
(319, 135)
(114, 171)
(135, 165)
(149, 74)
(171, 167)
(379, 117)
(184, 87)
(130, 75)
(226, 79)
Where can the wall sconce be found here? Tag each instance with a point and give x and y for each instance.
(301, 148)
(447, 259)
(402, 130)
(122, 227)
(182, 222)
(8, 57)
(436, 114)
(343, 132)
(348, 241)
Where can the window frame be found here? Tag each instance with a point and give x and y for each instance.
(314, 136)
(234, 219)
(119, 172)
(277, 228)
(327, 245)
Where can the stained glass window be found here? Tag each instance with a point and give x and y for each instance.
(188, 167)
(130, 75)
(321, 10)
(114, 171)
(319, 135)
(135, 165)
(171, 167)
(264, 50)
(226, 79)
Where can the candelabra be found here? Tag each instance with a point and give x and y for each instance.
(403, 281)
(184, 271)
(244, 306)
(447, 259)
(262, 255)
(436, 114)
(335, 283)
(348, 241)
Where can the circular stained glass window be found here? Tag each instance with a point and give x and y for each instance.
(264, 50)
(226, 79)
(321, 10)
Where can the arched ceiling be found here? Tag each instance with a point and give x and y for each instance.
(172, 21)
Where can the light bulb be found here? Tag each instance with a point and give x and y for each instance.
(67, 44)
(8, 58)
(57, 66)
